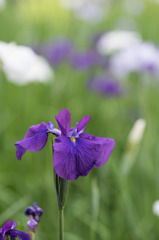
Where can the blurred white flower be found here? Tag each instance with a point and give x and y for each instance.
(88, 10)
(117, 40)
(137, 132)
(134, 138)
(155, 208)
(21, 65)
(2, 4)
(143, 57)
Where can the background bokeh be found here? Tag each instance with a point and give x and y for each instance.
(123, 202)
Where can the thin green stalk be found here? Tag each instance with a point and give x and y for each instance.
(32, 235)
(94, 207)
(61, 192)
(61, 224)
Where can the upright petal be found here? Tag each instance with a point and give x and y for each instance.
(34, 140)
(83, 123)
(64, 121)
(77, 158)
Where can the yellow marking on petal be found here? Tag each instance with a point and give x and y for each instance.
(73, 139)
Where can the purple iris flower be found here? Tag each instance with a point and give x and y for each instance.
(76, 153)
(35, 138)
(8, 229)
(105, 86)
(59, 51)
(34, 213)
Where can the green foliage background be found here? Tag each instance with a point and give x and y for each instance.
(125, 204)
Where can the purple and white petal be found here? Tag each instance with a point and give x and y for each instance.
(32, 224)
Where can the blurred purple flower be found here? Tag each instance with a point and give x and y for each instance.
(56, 52)
(88, 59)
(35, 138)
(105, 86)
(8, 229)
(34, 213)
(76, 153)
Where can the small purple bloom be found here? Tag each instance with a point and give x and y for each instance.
(75, 152)
(88, 59)
(8, 229)
(58, 51)
(83, 60)
(35, 139)
(38, 212)
(34, 213)
(105, 86)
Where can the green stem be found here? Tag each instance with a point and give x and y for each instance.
(61, 224)
(32, 235)
(94, 207)
(61, 192)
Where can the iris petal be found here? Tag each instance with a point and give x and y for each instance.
(64, 121)
(107, 145)
(21, 235)
(74, 160)
(6, 227)
(34, 140)
(83, 123)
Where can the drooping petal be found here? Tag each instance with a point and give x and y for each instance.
(21, 235)
(34, 140)
(107, 145)
(35, 129)
(33, 144)
(64, 121)
(77, 157)
(20, 151)
(83, 123)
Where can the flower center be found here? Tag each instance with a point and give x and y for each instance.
(73, 139)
